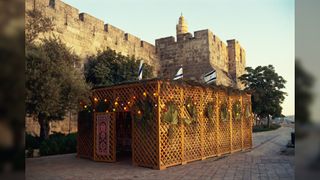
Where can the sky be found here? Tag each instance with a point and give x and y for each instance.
(265, 28)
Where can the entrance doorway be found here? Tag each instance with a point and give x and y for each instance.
(123, 136)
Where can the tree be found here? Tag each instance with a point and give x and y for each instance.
(36, 24)
(304, 82)
(53, 85)
(108, 68)
(266, 86)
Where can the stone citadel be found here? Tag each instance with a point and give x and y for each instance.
(198, 53)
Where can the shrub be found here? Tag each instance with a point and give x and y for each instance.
(32, 142)
(260, 128)
(59, 144)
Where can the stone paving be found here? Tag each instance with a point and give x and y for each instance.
(264, 161)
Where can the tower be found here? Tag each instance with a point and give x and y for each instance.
(182, 26)
(237, 61)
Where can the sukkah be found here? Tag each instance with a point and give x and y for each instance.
(165, 123)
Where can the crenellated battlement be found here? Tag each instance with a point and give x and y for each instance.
(198, 52)
(86, 34)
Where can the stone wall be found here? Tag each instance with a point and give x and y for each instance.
(66, 126)
(86, 35)
(237, 61)
(199, 54)
(191, 52)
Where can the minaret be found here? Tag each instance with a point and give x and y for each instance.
(182, 26)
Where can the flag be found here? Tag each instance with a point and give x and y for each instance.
(179, 74)
(140, 70)
(210, 76)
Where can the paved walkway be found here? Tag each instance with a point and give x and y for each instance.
(264, 161)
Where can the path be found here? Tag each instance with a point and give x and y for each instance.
(264, 161)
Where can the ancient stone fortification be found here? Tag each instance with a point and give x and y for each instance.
(86, 34)
(198, 53)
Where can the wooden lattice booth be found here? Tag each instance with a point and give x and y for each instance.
(165, 123)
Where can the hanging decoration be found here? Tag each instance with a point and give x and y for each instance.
(143, 112)
(209, 113)
(224, 111)
(192, 111)
(170, 116)
(247, 111)
(102, 106)
(236, 110)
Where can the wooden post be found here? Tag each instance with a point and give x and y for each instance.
(230, 119)
(94, 137)
(202, 124)
(242, 116)
(217, 127)
(158, 127)
(182, 126)
(114, 154)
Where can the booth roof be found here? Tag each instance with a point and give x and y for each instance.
(181, 82)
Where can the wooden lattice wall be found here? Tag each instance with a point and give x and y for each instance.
(159, 144)
(144, 139)
(85, 135)
(207, 137)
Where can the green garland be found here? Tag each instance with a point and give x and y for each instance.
(236, 110)
(192, 111)
(143, 112)
(248, 114)
(209, 113)
(224, 112)
(170, 114)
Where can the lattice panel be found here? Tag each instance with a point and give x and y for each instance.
(170, 135)
(192, 132)
(85, 136)
(247, 123)
(224, 135)
(111, 154)
(144, 137)
(236, 125)
(158, 144)
(144, 142)
(210, 125)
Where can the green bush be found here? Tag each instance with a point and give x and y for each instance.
(260, 128)
(59, 144)
(32, 142)
(56, 144)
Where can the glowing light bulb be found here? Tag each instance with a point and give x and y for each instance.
(139, 112)
(85, 106)
(95, 99)
(116, 103)
(144, 93)
(114, 109)
(105, 100)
